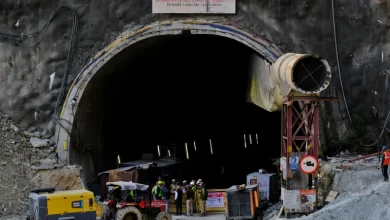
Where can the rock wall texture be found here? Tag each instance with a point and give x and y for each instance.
(303, 26)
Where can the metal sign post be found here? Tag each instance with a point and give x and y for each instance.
(308, 164)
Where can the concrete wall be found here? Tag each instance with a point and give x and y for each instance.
(298, 26)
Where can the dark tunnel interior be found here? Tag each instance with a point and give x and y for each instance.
(176, 91)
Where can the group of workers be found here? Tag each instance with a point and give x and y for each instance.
(161, 192)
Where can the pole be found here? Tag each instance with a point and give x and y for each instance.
(377, 135)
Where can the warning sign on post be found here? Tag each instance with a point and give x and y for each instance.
(194, 6)
(309, 164)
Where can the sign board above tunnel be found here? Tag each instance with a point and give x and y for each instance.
(194, 6)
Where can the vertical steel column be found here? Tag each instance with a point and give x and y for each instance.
(300, 137)
(300, 134)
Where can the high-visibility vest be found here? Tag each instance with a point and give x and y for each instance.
(160, 193)
(131, 193)
(154, 189)
(386, 160)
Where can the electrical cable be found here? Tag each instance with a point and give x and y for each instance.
(19, 39)
(342, 87)
(383, 129)
(338, 67)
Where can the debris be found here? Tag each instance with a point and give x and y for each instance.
(345, 167)
(36, 142)
(15, 176)
(331, 196)
(13, 127)
(29, 134)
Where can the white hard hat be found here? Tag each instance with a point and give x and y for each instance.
(173, 180)
(192, 183)
(199, 180)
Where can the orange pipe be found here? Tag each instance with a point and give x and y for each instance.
(363, 157)
(252, 205)
(257, 198)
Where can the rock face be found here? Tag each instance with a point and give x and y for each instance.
(305, 26)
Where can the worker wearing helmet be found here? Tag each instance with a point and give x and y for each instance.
(184, 186)
(203, 198)
(160, 179)
(158, 191)
(190, 197)
(154, 190)
(130, 197)
(116, 193)
(384, 162)
(194, 186)
(173, 185)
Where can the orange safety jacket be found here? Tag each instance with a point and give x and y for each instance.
(386, 159)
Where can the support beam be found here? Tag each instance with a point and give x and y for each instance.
(300, 137)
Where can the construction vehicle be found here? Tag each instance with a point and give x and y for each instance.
(49, 204)
(243, 203)
(132, 201)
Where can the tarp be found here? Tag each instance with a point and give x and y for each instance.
(129, 185)
(134, 175)
(119, 169)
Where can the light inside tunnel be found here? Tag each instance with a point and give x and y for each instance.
(187, 95)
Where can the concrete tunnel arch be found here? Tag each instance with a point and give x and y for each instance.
(264, 48)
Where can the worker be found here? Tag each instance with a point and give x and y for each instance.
(130, 197)
(203, 198)
(166, 197)
(384, 162)
(178, 199)
(173, 185)
(190, 197)
(158, 191)
(194, 186)
(184, 188)
(116, 193)
(160, 179)
(154, 190)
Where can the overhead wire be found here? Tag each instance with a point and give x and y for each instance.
(339, 69)
(21, 39)
(379, 137)
(342, 87)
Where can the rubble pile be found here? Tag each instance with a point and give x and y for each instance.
(363, 194)
(16, 156)
(358, 190)
(26, 161)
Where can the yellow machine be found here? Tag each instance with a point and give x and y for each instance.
(48, 204)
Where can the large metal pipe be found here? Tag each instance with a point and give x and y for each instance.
(304, 73)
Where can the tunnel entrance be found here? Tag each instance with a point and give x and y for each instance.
(177, 90)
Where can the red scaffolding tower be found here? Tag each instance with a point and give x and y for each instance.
(300, 138)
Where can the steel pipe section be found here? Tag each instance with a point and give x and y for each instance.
(303, 73)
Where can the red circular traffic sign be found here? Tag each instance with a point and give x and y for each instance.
(308, 164)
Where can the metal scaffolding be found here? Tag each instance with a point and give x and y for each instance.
(300, 138)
